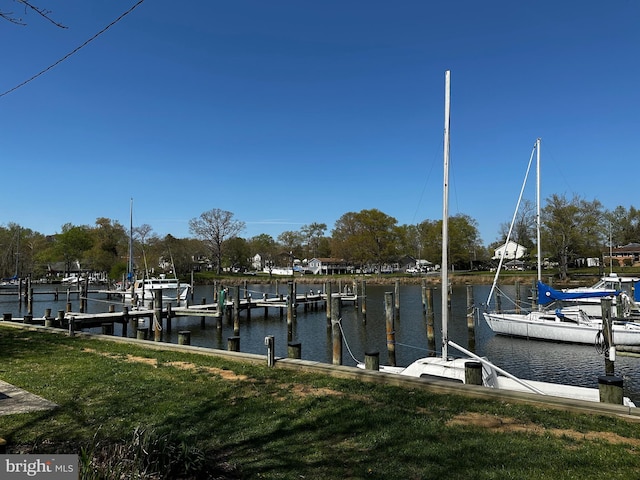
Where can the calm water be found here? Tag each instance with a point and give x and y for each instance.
(528, 359)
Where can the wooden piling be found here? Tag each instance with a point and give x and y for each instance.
(518, 299)
(184, 337)
(430, 316)
(328, 303)
(236, 311)
(372, 361)
(397, 299)
(142, 333)
(157, 316)
(391, 334)
(202, 302)
(473, 373)
(233, 344)
(470, 308)
(363, 308)
(107, 328)
(611, 389)
(294, 350)
(609, 358)
(291, 304)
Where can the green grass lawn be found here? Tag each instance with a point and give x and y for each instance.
(132, 412)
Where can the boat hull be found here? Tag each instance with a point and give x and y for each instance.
(541, 326)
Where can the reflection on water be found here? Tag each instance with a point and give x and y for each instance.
(528, 359)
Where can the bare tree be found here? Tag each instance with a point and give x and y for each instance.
(213, 228)
(11, 16)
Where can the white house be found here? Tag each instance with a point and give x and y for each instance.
(512, 251)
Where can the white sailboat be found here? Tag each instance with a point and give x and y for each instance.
(454, 369)
(144, 290)
(555, 323)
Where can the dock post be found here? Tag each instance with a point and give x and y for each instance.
(372, 361)
(142, 333)
(423, 290)
(184, 337)
(69, 308)
(328, 297)
(169, 315)
(107, 328)
(270, 342)
(202, 323)
(29, 296)
(611, 389)
(431, 315)
(470, 323)
(294, 350)
(126, 320)
(397, 299)
(28, 319)
(236, 311)
(233, 344)
(364, 301)
(60, 319)
(157, 315)
(518, 298)
(610, 354)
(336, 332)
(473, 373)
(291, 304)
(391, 333)
(6, 317)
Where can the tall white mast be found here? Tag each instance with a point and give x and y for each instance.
(130, 266)
(444, 267)
(538, 224)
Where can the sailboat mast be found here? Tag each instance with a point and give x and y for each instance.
(444, 267)
(130, 267)
(538, 224)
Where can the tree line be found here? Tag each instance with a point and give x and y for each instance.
(572, 228)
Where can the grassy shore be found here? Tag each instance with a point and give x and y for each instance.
(130, 412)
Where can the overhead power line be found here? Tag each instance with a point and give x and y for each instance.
(42, 72)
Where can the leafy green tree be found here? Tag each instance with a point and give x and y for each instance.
(464, 241)
(265, 246)
(291, 243)
(237, 253)
(72, 243)
(109, 245)
(368, 237)
(571, 229)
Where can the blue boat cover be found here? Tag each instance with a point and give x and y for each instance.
(547, 294)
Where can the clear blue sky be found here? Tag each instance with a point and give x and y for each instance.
(293, 112)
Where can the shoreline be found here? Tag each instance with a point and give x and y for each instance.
(455, 279)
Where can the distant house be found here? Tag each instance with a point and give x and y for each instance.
(512, 251)
(329, 266)
(628, 254)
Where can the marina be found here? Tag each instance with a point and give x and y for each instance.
(363, 332)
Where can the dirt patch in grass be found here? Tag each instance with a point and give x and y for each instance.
(152, 362)
(508, 425)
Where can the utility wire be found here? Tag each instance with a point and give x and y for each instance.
(73, 51)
